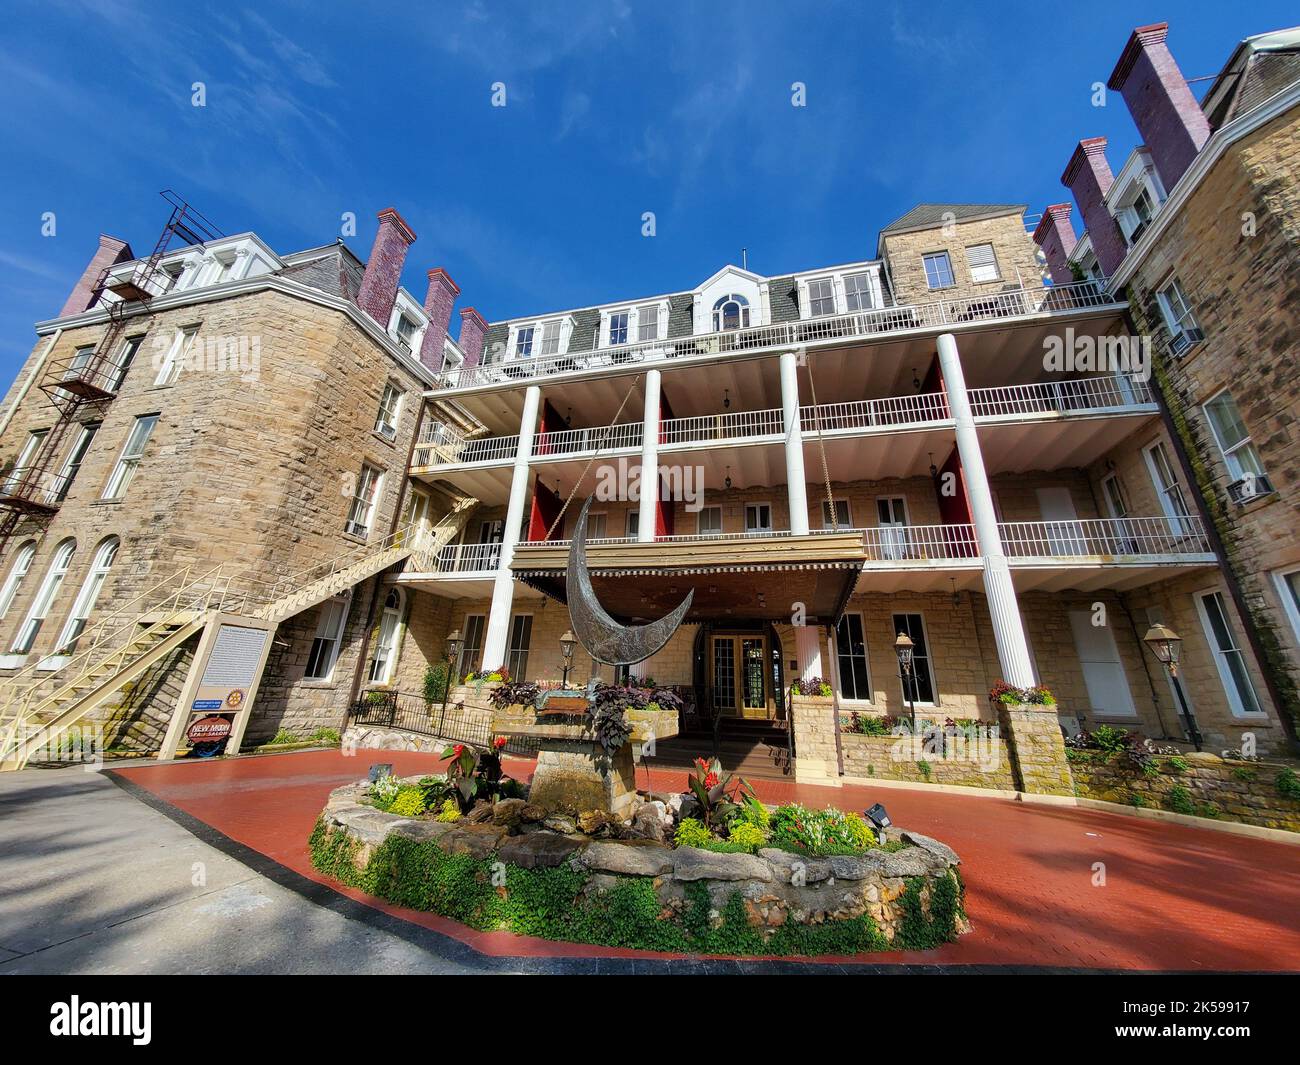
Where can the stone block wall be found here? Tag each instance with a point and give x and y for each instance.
(985, 765)
(1037, 750)
(815, 734)
(1210, 786)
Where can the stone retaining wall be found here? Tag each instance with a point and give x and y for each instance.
(984, 763)
(775, 887)
(1210, 787)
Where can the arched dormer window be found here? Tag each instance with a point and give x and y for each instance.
(731, 312)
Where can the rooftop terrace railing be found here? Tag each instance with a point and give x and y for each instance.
(995, 306)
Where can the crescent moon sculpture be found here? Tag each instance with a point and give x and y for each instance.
(604, 638)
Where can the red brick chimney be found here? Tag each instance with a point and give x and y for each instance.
(1055, 235)
(472, 330)
(1163, 108)
(84, 293)
(1088, 176)
(384, 267)
(438, 302)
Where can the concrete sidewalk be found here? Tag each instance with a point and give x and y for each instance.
(94, 881)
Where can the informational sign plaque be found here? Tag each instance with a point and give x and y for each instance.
(231, 669)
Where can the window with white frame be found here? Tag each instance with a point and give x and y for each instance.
(406, 328)
(390, 624)
(1228, 657)
(843, 519)
(647, 324)
(26, 459)
(327, 638)
(125, 356)
(45, 596)
(1288, 589)
(524, 342)
(17, 574)
(550, 338)
(731, 312)
(521, 636)
(597, 524)
(390, 407)
(1135, 216)
(85, 434)
(758, 518)
(1184, 330)
(983, 262)
(851, 658)
(821, 297)
(938, 270)
(709, 521)
(361, 514)
(473, 644)
(1170, 490)
(1089, 265)
(129, 461)
(617, 333)
(84, 605)
(857, 292)
(177, 356)
(79, 361)
(1239, 453)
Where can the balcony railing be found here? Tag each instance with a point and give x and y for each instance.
(458, 558)
(1013, 303)
(441, 446)
(1104, 538)
(1076, 396)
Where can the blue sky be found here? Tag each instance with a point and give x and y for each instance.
(613, 109)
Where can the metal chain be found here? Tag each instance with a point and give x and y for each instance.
(595, 455)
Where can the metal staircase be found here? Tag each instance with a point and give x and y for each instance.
(50, 695)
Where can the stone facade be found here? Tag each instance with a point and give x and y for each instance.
(1037, 750)
(984, 764)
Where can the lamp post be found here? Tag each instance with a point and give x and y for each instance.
(904, 647)
(454, 644)
(567, 644)
(1166, 645)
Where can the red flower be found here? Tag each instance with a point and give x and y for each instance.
(711, 780)
(499, 742)
(458, 750)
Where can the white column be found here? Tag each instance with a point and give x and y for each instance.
(640, 670)
(645, 530)
(796, 487)
(503, 587)
(1008, 628)
(808, 651)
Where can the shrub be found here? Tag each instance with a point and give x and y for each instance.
(869, 725)
(515, 693)
(753, 812)
(1179, 800)
(437, 678)
(692, 833)
(820, 832)
(747, 835)
(1287, 783)
(812, 686)
(1110, 739)
(327, 735)
(285, 736)
(925, 768)
(384, 790)
(409, 802)
(1177, 763)
(720, 795)
(448, 812)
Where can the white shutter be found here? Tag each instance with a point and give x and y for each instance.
(983, 263)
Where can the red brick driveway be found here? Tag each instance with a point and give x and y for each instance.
(1174, 897)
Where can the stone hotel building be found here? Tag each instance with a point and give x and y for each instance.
(958, 437)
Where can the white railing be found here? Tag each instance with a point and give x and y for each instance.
(919, 543)
(1104, 537)
(591, 438)
(440, 445)
(874, 413)
(739, 425)
(1013, 303)
(1075, 396)
(462, 558)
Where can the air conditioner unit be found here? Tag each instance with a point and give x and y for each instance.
(1184, 339)
(1248, 488)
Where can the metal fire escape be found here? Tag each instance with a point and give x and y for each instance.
(82, 384)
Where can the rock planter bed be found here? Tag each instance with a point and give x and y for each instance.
(513, 865)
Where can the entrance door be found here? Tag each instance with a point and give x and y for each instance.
(1103, 673)
(891, 512)
(739, 676)
(1064, 533)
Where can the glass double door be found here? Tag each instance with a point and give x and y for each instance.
(739, 676)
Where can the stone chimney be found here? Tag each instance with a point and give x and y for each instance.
(438, 302)
(1055, 235)
(1088, 177)
(84, 293)
(1171, 122)
(384, 267)
(472, 330)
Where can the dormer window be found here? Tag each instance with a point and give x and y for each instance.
(1135, 218)
(731, 312)
(821, 297)
(618, 328)
(857, 292)
(406, 329)
(647, 326)
(524, 342)
(551, 338)
(1136, 195)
